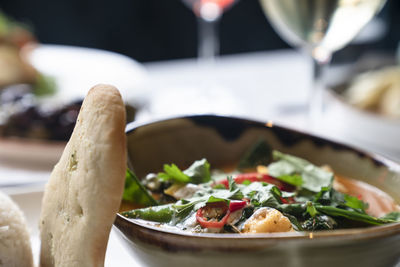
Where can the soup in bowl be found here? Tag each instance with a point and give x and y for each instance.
(229, 191)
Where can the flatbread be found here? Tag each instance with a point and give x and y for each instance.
(15, 247)
(85, 189)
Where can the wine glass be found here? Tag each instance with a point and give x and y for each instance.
(208, 13)
(320, 27)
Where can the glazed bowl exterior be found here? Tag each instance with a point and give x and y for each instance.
(223, 140)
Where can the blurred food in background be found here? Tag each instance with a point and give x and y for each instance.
(376, 91)
(14, 37)
(21, 89)
(26, 107)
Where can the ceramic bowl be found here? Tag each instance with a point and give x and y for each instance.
(223, 140)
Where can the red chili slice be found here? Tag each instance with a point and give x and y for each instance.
(235, 205)
(205, 223)
(289, 200)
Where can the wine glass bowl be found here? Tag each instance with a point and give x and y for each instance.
(208, 13)
(320, 27)
(324, 24)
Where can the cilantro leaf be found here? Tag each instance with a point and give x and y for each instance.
(198, 172)
(173, 173)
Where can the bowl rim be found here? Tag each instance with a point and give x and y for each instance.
(352, 233)
(371, 232)
(376, 157)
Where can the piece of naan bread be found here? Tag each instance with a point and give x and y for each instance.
(85, 189)
(15, 247)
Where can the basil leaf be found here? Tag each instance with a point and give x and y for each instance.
(135, 192)
(263, 195)
(199, 172)
(314, 178)
(293, 179)
(259, 154)
(295, 223)
(319, 222)
(352, 215)
(331, 197)
(297, 209)
(234, 190)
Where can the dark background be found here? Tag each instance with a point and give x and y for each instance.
(153, 30)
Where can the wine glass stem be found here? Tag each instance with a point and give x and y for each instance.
(315, 108)
(208, 39)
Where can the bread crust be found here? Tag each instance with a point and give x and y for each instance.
(84, 191)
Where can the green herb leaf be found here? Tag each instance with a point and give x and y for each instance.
(352, 215)
(295, 223)
(355, 203)
(184, 208)
(393, 216)
(319, 222)
(259, 154)
(198, 172)
(44, 85)
(311, 210)
(331, 197)
(293, 179)
(163, 213)
(296, 209)
(135, 192)
(263, 195)
(313, 177)
(173, 173)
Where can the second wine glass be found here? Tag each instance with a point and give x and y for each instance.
(321, 27)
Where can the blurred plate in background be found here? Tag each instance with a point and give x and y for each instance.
(364, 124)
(75, 70)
